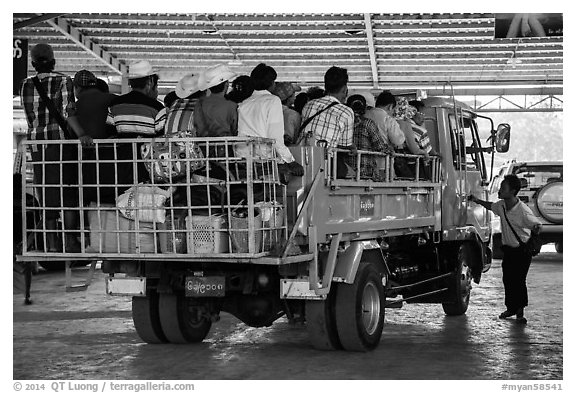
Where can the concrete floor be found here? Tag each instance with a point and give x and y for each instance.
(89, 335)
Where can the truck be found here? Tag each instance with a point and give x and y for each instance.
(236, 234)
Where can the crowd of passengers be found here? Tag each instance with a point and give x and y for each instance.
(216, 102)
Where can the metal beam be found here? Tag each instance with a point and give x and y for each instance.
(88, 45)
(540, 103)
(371, 50)
(34, 21)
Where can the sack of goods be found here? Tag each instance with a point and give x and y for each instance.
(166, 160)
(144, 203)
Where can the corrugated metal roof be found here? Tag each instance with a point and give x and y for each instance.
(379, 50)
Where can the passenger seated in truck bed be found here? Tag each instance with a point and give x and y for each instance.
(366, 137)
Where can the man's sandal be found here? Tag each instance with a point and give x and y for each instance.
(506, 314)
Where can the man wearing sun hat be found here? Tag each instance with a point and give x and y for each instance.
(179, 116)
(214, 115)
(138, 113)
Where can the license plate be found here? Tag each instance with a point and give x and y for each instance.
(204, 287)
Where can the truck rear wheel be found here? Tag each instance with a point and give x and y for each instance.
(360, 310)
(461, 282)
(145, 314)
(321, 324)
(559, 247)
(181, 323)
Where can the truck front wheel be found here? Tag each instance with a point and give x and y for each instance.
(146, 317)
(461, 282)
(182, 321)
(360, 310)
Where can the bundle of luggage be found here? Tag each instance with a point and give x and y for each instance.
(192, 202)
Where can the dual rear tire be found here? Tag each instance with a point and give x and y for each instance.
(352, 316)
(162, 318)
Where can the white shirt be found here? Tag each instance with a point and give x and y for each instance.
(387, 126)
(521, 218)
(260, 115)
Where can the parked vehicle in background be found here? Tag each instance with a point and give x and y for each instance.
(542, 191)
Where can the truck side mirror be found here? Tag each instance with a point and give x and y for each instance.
(503, 138)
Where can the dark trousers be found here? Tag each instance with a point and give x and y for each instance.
(56, 180)
(515, 265)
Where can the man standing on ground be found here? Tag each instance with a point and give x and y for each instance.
(517, 220)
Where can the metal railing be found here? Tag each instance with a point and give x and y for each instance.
(179, 197)
(379, 167)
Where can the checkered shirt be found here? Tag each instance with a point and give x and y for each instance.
(367, 137)
(41, 125)
(335, 125)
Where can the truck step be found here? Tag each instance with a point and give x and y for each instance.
(394, 303)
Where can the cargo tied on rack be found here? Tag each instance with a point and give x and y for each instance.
(186, 203)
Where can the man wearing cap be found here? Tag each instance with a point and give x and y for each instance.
(180, 113)
(92, 112)
(92, 106)
(44, 126)
(214, 115)
(138, 113)
(286, 91)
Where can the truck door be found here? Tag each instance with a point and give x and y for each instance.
(471, 172)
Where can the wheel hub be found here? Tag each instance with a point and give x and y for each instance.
(370, 307)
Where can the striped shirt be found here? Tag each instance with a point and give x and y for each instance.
(335, 125)
(135, 114)
(42, 125)
(180, 117)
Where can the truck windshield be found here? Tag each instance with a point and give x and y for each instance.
(466, 147)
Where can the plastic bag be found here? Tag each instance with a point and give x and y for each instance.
(144, 203)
